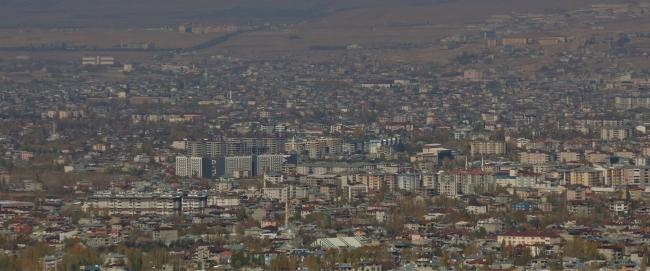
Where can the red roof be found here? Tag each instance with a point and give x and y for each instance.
(530, 234)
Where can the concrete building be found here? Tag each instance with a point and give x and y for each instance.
(138, 203)
(235, 166)
(636, 176)
(134, 203)
(286, 192)
(576, 193)
(528, 238)
(586, 177)
(193, 166)
(357, 191)
(409, 182)
(491, 225)
(465, 182)
(268, 163)
(487, 148)
(472, 75)
(194, 202)
(374, 182)
(619, 207)
(340, 242)
(214, 149)
(98, 60)
(223, 201)
(165, 234)
(534, 158)
(430, 182)
(568, 156)
(615, 133)
(448, 187)
(431, 156)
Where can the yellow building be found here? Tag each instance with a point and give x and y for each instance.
(587, 177)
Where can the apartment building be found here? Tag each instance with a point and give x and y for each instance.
(615, 133)
(268, 163)
(138, 203)
(193, 166)
(466, 182)
(235, 166)
(528, 238)
(487, 148)
(286, 192)
(534, 158)
(214, 149)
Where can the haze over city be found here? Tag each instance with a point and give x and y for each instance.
(359, 135)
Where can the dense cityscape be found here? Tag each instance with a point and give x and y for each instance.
(529, 149)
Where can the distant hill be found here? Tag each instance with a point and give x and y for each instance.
(120, 13)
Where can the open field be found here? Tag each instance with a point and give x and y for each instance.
(152, 13)
(98, 37)
(401, 30)
(93, 13)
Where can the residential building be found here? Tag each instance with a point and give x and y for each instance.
(236, 166)
(487, 148)
(193, 166)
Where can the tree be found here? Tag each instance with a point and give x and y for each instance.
(582, 249)
(78, 255)
(8, 262)
(29, 258)
(280, 263)
(469, 250)
(523, 256)
(239, 259)
(319, 219)
(242, 215)
(312, 263)
(134, 256)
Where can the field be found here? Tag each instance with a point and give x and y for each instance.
(403, 28)
(98, 37)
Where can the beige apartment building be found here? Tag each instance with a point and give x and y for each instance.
(534, 158)
(487, 147)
